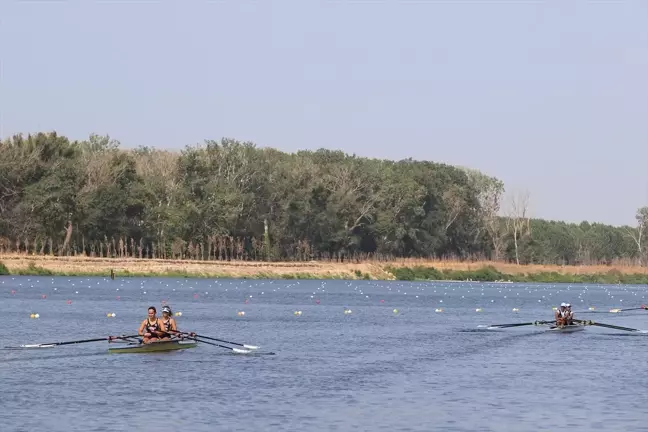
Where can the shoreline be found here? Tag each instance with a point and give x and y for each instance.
(401, 269)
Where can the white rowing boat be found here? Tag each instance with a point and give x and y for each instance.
(566, 329)
(578, 325)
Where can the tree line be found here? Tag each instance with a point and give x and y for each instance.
(230, 200)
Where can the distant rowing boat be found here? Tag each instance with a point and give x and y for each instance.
(551, 326)
(153, 347)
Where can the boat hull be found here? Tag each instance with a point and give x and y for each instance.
(567, 328)
(152, 347)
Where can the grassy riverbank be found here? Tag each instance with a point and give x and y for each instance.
(404, 269)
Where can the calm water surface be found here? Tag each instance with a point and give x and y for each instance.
(371, 370)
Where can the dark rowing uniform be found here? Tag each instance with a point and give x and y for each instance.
(167, 325)
(153, 328)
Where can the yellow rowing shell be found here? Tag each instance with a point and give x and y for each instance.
(160, 346)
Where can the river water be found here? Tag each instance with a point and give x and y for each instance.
(393, 363)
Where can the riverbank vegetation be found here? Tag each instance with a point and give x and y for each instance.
(402, 269)
(232, 202)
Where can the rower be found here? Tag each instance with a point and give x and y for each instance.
(569, 315)
(170, 324)
(152, 328)
(561, 314)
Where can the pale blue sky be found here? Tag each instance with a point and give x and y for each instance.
(550, 96)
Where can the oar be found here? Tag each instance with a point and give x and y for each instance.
(52, 344)
(610, 326)
(615, 310)
(518, 324)
(236, 350)
(251, 347)
(643, 307)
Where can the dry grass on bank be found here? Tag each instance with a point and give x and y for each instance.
(318, 269)
(511, 268)
(235, 269)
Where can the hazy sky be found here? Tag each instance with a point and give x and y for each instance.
(548, 96)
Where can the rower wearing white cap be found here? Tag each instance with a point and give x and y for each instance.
(170, 325)
(569, 315)
(561, 315)
(169, 322)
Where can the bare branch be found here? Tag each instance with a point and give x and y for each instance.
(454, 204)
(518, 219)
(637, 233)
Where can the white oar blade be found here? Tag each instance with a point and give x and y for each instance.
(252, 347)
(488, 327)
(240, 351)
(491, 327)
(36, 346)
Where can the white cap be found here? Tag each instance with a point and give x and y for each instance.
(563, 304)
(568, 305)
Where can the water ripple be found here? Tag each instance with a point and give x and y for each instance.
(393, 364)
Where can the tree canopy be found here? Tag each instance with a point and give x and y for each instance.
(232, 200)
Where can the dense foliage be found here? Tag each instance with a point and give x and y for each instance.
(232, 200)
